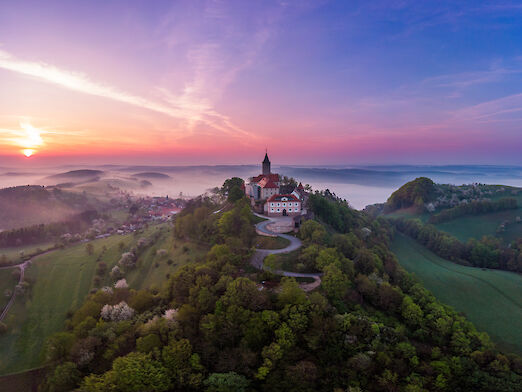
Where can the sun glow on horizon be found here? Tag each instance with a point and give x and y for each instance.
(28, 152)
(28, 139)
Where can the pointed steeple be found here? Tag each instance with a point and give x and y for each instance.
(266, 165)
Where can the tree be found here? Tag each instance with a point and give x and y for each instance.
(183, 367)
(148, 343)
(141, 300)
(221, 254)
(58, 345)
(291, 293)
(411, 312)
(226, 382)
(235, 194)
(127, 260)
(243, 292)
(65, 377)
(136, 372)
(326, 257)
(237, 223)
(118, 312)
(334, 282)
(230, 183)
(89, 248)
(312, 231)
(365, 261)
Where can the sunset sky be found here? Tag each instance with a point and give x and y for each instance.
(213, 82)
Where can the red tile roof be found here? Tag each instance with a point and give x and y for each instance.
(279, 197)
(272, 176)
(267, 183)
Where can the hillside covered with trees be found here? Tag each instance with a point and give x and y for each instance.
(30, 205)
(412, 194)
(211, 327)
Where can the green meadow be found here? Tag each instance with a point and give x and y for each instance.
(491, 299)
(63, 279)
(264, 242)
(477, 226)
(7, 282)
(13, 253)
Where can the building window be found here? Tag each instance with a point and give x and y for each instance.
(278, 205)
(289, 210)
(284, 204)
(271, 210)
(272, 204)
(278, 210)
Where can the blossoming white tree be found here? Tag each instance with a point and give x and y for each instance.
(121, 284)
(119, 312)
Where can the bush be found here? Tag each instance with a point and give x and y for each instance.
(127, 260)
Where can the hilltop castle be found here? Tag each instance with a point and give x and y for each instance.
(264, 191)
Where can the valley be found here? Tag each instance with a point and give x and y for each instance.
(63, 278)
(491, 299)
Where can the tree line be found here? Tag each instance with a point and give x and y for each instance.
(474, 207)
(488, 252)
(44, 232)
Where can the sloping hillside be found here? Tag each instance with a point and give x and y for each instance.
(28, 205)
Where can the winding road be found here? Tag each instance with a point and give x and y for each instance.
(260, 254)
(257, 260)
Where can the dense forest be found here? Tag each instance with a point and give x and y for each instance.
(488, 252)
(369, 327)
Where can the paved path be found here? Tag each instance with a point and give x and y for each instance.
(295, 243)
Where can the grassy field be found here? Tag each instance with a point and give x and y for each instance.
(7, 282)
(477, 226)
(264, 242)
(63, 279)
(491, 299)
(257, 219)
(13, 253)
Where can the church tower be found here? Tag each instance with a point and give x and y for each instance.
(266, 165)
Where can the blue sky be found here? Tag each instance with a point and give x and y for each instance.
(213, 81)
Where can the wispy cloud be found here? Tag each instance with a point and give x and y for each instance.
(493, 110)
(472, 78)
(191, 110)
(25, 137)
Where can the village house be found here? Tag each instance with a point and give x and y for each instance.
(264, 193)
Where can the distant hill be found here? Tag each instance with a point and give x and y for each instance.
(152, 175)
(82, 174)
(412, 194)
(28, 205)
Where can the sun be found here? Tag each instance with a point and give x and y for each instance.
(28, 152)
